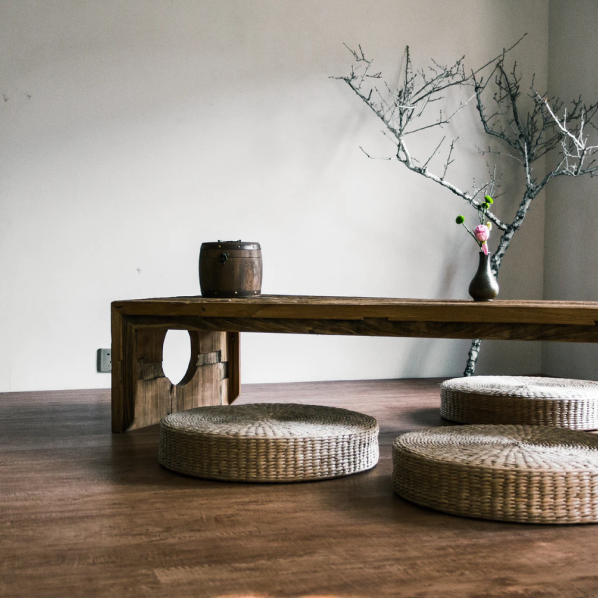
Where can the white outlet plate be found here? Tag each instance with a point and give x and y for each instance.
(104, 360)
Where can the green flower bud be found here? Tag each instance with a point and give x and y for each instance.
(459, 220)
(485, 206)
(488, 199)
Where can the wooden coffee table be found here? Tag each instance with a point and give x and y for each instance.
(142, 394)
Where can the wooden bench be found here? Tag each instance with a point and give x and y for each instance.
(142, 395)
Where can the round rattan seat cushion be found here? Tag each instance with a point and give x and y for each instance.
(529, 474)
(268, 442)
(521, 400)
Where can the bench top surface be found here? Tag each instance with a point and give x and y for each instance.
(358, 308)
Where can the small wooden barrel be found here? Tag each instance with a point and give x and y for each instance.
(230, 269)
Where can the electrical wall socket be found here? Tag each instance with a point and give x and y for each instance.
(104, 360)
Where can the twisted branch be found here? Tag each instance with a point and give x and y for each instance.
(528, 134)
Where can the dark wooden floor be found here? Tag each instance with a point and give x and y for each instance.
(87, 513)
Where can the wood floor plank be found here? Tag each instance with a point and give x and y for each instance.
(84, 512)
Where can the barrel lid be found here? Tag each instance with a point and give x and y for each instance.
(231, 245)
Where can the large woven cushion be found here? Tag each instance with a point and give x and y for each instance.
(529, 400)
(531, 474)
(268, 442)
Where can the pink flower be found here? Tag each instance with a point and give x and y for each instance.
(481, 233)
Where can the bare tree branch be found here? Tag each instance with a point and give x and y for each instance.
(528, 133)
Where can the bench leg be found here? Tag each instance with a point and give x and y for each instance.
(142, 395)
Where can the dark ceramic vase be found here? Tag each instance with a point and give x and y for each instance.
(483, 287)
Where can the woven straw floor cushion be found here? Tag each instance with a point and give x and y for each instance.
(268, 442)
(529, 474)
(522, 400)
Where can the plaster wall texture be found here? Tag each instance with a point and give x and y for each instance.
(572, 204)
(132, 132)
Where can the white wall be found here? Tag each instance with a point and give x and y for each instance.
(133, 131)
(572, 204)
